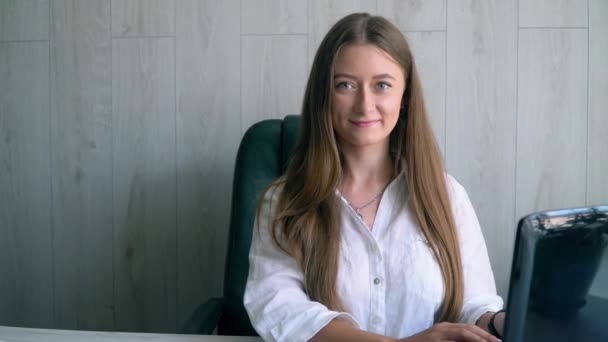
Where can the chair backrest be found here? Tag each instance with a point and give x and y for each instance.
(262, 157)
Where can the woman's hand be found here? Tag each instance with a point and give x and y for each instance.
(459, 332)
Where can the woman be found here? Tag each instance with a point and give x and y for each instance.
(365, 238)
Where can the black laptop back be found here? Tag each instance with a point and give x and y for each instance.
(559, 277)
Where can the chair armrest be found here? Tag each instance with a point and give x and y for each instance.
(205, 318)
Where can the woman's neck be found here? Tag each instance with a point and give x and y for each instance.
(367, 168)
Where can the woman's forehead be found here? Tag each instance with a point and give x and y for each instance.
(365, 58)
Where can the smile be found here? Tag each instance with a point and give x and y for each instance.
(364, 123)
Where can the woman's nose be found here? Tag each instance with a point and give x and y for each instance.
(365, 100)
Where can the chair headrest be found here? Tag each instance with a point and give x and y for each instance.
(290, 133)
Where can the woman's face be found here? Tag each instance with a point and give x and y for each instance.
(368, 87)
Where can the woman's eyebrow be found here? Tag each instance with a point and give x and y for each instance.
(345, 75)
(385, 76)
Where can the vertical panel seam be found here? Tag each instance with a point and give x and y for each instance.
(445, 101)
(308, 58)
(445, 22)
(111, 40)
(445, 90)
(516, 116)
(175, 161)
(241, 67)
(223, 267)
(587, 169)
(52, 207)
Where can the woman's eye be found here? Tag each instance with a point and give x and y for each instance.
(344, 85)
(383, 85)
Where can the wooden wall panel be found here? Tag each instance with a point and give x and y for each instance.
(551, 125)
(81, 126)
(597, 152)
(323, 14)
(415, 15)
(597, 140)
(481, 109)
(274, 17)
(26, 245)
(553, 13)
(24, 20)
(143, 119)
(208, 134)
(273, 77)
(429, 54)
(143, 18)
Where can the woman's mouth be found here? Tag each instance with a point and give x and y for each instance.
(364, 123)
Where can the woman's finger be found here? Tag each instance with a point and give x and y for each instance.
(468, 332)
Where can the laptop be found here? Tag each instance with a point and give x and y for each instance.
(559, 277)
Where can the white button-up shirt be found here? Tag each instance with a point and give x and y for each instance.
(388, 279)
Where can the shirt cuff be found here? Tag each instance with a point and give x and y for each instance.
(473, 317)
(308, 324)
(475, 306)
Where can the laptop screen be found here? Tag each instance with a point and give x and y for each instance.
(559, 277)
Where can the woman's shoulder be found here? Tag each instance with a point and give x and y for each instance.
(273, 190)
(453, 184)
(456, 191)
(269, 197)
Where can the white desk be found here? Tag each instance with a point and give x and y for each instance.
(12, 334)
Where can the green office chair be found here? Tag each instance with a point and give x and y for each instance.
(262, 157)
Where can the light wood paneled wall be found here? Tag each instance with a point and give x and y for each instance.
(24, 20)
(27, 244)
(144, 183)
(597, 123)
(274, 76)
(322, 14)
(481, 117)
(143, 18)
(597, 128)
(81, 151)
(120, 121)
(551, 140)
(208, 131)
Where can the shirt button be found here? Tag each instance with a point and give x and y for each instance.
(376, 281)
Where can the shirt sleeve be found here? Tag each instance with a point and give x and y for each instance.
(479, 286)
(275, 299)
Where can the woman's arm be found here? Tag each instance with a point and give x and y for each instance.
(479, 286)
(342, 331)
(338, 330)
(499, 322)
(275, 297)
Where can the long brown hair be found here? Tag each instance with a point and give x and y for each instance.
(307, 221)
